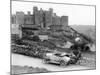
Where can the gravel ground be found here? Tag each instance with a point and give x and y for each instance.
(89, 60)
(26, 69)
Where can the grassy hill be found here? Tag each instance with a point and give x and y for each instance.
(88, 30)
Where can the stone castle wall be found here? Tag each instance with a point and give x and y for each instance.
(39, 17)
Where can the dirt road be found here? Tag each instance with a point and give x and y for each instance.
(22, 60)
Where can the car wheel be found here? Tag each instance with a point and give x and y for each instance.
(45, 61)
(63, 63)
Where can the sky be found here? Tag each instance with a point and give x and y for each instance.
(78, 15)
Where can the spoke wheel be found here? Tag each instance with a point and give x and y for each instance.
(45, 61)
(63, 63)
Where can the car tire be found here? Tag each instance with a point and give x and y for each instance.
(45, 61)
(63, 63)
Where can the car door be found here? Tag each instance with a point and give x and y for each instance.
(56, 57)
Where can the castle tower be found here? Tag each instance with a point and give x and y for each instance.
(20, 18)
(36, 16)
(64, 20)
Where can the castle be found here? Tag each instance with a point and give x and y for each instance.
(39, 17)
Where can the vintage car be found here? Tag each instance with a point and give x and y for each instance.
(59, 58)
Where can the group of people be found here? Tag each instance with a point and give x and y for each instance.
(77, 55)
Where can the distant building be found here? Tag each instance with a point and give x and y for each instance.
(19, 17)
(13, 19)
(48, 18)
(64, 20)
(41, 17)
(28, 19)
(44, 18)
(36, 16)
(56, 20)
